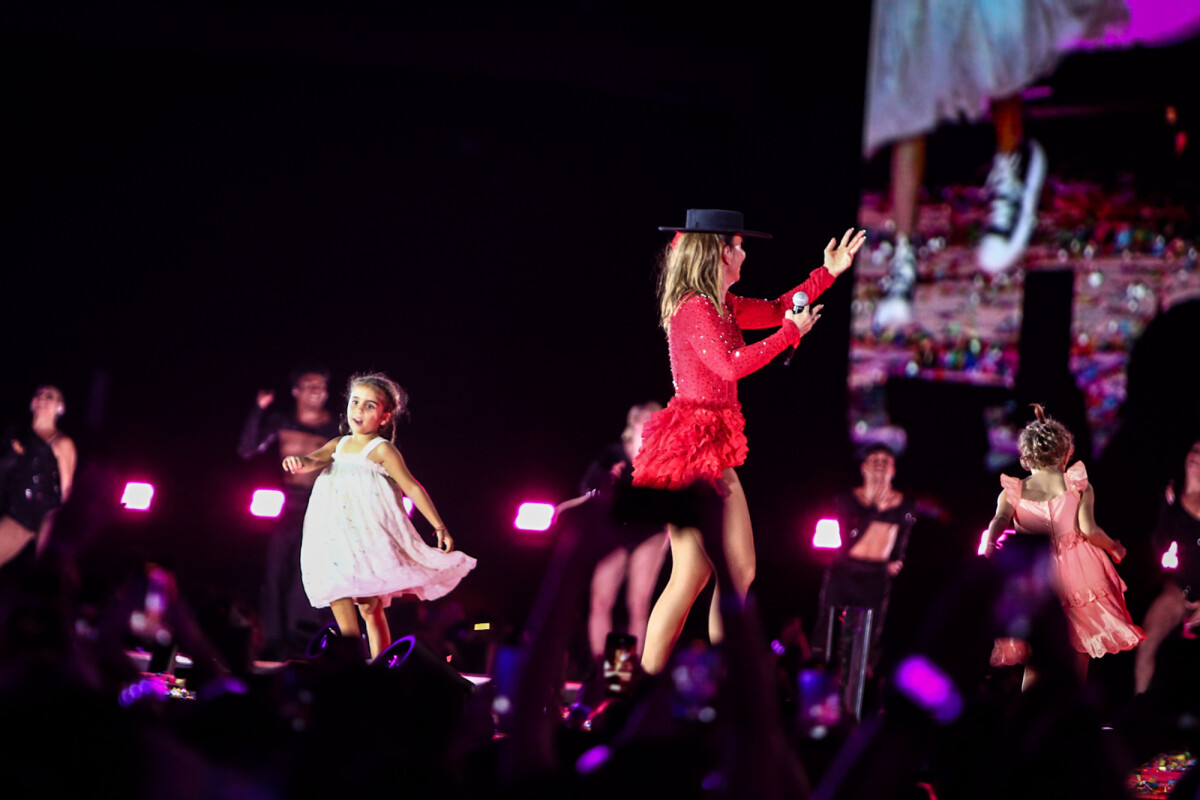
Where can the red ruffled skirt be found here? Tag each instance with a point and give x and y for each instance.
(687, 442)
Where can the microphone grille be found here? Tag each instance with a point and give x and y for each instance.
(800, 299)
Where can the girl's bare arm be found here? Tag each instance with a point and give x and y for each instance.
(393, 462)
(317, 459)
(1086, 519)
(999, 524)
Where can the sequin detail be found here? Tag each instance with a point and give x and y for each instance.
(699, 433)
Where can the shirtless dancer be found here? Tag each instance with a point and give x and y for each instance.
(289, 620)
(875, 522)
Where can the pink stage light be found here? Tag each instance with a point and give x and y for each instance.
(408, 505)
(266, 503)
(534, 517)
(828, 535)
(983, 540)
(137, 496)
(1170, 559)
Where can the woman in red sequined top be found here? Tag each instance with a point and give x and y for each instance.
(698, 436)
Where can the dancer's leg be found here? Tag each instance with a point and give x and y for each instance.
(1008, 117)
(908, 173)
(379, 636)
(738, 536)
(1164, 613)
(690, 570)
(346, 617)
(738, 539)
(606, 582)
(645, 562)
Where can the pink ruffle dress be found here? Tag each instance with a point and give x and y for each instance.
(1087, 583)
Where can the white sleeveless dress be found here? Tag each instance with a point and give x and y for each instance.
(358, 542)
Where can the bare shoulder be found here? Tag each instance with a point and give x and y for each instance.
(385, 450)
(63, 445)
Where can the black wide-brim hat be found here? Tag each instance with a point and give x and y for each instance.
(715, 220)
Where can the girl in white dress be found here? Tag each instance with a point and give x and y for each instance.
(359, 547)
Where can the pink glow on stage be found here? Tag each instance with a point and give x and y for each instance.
(828, 535)
(408, 505)
(266, 503)
(983, 540)
(534, 517)
(137, 496)
(929, 687)
(1170, 559)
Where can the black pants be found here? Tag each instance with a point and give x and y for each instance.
(854, 585)
(289, 620)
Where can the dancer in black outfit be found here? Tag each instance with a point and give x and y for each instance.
(289, 620)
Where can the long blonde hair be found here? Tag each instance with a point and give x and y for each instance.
(690, 265)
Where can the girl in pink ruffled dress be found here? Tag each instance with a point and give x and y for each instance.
(1057, 501)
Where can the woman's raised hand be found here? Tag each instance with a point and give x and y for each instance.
(807, 317)
(839, 257)
(293, 464)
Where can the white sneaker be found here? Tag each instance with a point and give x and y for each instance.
(898, 285)
(1015, 183)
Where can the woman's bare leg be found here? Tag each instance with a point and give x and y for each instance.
(379, 636)
(690, 571)
(1164, 613)
(606, 582)
(645, 562)
(738, 538)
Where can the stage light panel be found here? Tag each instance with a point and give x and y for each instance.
(534, 516)
(1170, 559)
(828, 534)
(266, 503)
(137, 496)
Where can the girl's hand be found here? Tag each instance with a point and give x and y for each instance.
(444, 541)
(805, 319)
(1117, 552)
(293, 464)
(838, 259)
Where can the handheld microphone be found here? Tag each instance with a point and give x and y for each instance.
(799, 301)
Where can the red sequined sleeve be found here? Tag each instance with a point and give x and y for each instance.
(753, 313)
(710, 337)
